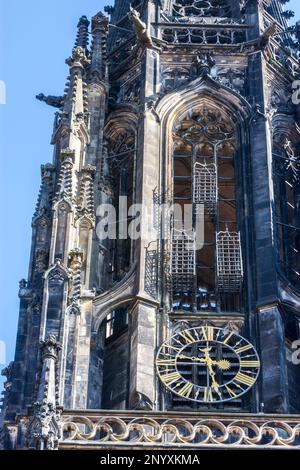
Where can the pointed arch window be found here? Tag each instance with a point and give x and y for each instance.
(204, 168)
(121, 160)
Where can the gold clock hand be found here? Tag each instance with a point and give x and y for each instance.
(222, 364)
(192, 358)
(212, 374)
(215, 384)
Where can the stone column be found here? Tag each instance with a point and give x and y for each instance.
(142, 333)
(274, 372)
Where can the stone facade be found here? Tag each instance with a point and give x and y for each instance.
(165, 93)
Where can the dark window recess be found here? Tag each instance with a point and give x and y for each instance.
(292, 329)
(116, 322)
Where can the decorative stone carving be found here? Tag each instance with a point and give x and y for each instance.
(173, 78)
(8, 436)
(55, 101)
(86, 205)
(202, 65)
(24, 291)
(78, 58)
(41, 259)
(211, 8)
(158, 429)
(280, 100)
(142, 402)
(75, 260)
(232, 78)
(44, 429)
(140, 28)
(99, 21)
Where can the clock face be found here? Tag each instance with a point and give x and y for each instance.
(208, 365)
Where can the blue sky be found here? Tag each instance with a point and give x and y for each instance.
(35, 39)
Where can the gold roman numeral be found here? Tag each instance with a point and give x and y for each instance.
(170, 378)
(245, 379)
(250, 363)
(208, 396)
(166, 362)
(186, 390)
(204, 335)
(243, 349)
(208, 333)
(230, 392)
(188, 337)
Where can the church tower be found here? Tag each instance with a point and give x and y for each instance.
(162, 303)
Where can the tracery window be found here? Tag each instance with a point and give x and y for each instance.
(216, 8)
(286, 169)
(121, 160)
(204, 149)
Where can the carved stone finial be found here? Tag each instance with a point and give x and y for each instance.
(89, 171)
(82, 39)
(83, 21)
(99, 22)
(75, 257)
(67, 155)
(78, 58)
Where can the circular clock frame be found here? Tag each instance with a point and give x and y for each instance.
(204, 346)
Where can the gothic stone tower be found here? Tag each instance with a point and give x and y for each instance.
(153, 339)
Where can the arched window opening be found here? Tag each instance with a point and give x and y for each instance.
(109, 363)
(204, 170)
(121, 163)
(116, 323)
(116, 361)
(286, 170)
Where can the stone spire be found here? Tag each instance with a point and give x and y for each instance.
(46, 189)
(82, 39)
(98, 49)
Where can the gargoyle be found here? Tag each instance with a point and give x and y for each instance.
(271, 31)
(140, 28)
(55, 101)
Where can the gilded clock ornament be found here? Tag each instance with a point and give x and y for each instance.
(208, 365)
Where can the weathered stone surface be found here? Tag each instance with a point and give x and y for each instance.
(145, 104)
